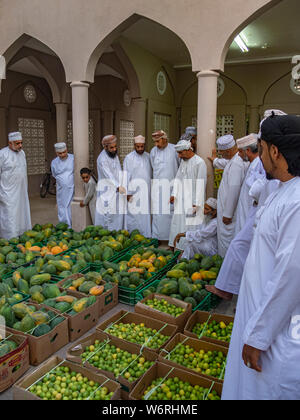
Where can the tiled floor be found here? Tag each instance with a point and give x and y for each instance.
(44, 211)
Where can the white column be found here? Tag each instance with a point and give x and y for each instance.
(80, 116)
(61, 121)
(207, 120)
(254, 119)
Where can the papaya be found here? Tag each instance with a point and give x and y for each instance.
(40, 279)
(208, 275)
(68, 299)
(29, 272)
(11, 257)
(91, 300)
(37, 297)
(9, 282)
(16, 277)
(207, 263)
(97, 290)
(192, 301)
(93, 276)
(80, 305)
(20, 310)
(5, 250)
(62, 306)
(169, 288)
(50, 291)
(107, 254)
(185, 289)
(61, 265)
(35, 289)
(5, 290)
(56, 321)
(2, 301)
(62, 226)
(40, 317)
(4, 349)
(17, 326)
(78, 282)
(7, 312)
(41, 329)
(2, 259)
(23, 286)
(86, 287)
(13, 346)
(50, 302)
(177, 274)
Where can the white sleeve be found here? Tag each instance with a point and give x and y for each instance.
(236, 180)
(220, 163)
(108, 175)
(53, 169)
(281, 293)
(201, 174)
(206, 231)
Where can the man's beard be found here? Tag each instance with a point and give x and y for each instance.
(140, 152)
(269, 177)
(112, 155)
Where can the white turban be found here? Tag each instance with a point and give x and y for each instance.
(159, 135)
(183, 145)
(212, 202)
(17, 136)
(139, 140)
(226, 142)
(268, 114)
(191, 130)
(60, 147)
(110, 139)
(247, 141)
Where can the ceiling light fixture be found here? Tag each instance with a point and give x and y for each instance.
(241, 44)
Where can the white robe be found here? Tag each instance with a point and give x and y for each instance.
(90, 198)
(111, 205)
(230, 275)
(245, 202)
(267, 316)
(138, 167)
(202, 241)
(15, 216)
(228, 195)
(165, 164)
(63, 172)
(192, 171)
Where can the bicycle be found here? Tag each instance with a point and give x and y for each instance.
(48, 185)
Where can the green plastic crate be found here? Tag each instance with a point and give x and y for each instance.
(25, 296)
(207, 304)
(130, 296)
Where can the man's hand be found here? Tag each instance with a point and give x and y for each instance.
(129, 198)
(251, 358)
(178, 237)
(172, 199)
(213, 156)
(81, 204)
(227, 221)
(122, 190)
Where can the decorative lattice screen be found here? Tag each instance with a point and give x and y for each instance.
(225, 125)
(126, 138)
(91, 140)
(33, 133)
(161, 122)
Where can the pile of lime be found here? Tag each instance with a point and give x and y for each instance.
(139, 334)
(175, 389)
(216, 330)
(112, 359)
(210, 363)
(163, 306)
(64, 384)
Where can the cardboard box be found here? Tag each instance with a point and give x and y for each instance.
(41, 348)
(197, 345)
(161, 370)
(130, 317)
(14, 364)
(84, 321)
(180, 321)
(105, 302)
(20, 389)
(74, 355)
(199, 317)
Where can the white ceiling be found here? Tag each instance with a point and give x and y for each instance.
(274, 35)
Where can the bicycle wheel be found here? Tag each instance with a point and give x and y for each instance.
(44, 186)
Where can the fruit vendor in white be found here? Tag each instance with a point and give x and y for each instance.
(111, 198)
(229, 191)
(189, 185)
(248, 151)
(165, 164)
(14, 202)
(203, 240)
(230, 275)
(264, 352)
(62, 168)
(137, 166)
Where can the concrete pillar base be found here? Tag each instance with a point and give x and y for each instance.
(80, 217)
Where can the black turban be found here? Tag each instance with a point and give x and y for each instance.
(284, 133)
